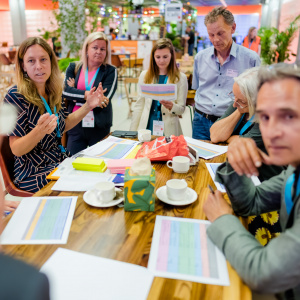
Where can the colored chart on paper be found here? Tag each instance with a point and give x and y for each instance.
(204, 149)
(49, 220)
(40, 220)
(203, 152)
(181, 250)
(159, 91)
(116, 151)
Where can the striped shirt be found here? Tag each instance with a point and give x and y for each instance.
(31, 169)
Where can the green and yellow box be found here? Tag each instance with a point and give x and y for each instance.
(139, 192)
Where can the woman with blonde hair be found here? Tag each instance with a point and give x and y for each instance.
(93, 70)
(42, 118)
(162, 70)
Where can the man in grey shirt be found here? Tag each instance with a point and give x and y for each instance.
(276, 267)
(214, 70)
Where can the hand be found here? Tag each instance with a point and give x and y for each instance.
(101, 92)
(97, 98)
(166, 104)
(71, 82)
(216, 206)
(10, 205)
(245, 157)
(46, 123)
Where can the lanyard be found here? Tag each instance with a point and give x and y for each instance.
(159, 105)
(246, 126)
(288, 192)
(239, 122)
(48, 109)
(87, 85)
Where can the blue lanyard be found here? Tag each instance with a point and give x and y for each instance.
(48, 109)
(288, 192)
(239, 122)
(246, 126)
(159, 105)
(87, 85)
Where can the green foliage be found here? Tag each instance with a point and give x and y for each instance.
(64, 63)
(170, 36)
(70, 20)
(173, 28)
(275, 44)
(177, 43)
(176, 40)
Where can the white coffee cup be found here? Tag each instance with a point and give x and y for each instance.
(144, 135)
(179, 164)
(176, 189)
(104, 191)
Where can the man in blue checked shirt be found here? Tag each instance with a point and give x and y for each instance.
(214, 70)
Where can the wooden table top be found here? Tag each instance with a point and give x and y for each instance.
(126, 236)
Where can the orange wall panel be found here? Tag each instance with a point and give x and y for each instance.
(31, 5)
(235, 9)
(4, 5)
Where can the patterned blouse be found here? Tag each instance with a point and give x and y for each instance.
(31, 169)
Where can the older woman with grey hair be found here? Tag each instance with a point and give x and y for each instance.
(238, 120)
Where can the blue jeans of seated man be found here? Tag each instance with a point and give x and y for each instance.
(201, 127)
(191, 49)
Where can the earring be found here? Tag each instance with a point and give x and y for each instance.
(25, 75)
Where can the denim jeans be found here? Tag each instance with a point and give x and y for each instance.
(191, 49)
(201, 127)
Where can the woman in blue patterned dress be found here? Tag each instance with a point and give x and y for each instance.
(42, 116)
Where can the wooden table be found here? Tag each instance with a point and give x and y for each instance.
(126, 236)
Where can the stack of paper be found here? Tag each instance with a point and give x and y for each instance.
(118, 166)
(89, 164)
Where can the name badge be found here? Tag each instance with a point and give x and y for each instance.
(158, 128)
(89, 120)
(232, 73)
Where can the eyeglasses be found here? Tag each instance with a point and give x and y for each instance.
(240, 102)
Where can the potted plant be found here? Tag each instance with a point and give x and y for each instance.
(275, 44)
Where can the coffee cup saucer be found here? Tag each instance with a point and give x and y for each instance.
(190, 196)
(90, 198)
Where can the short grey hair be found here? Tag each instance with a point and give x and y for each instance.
(277, 72)
(248, 83)
(213, 16)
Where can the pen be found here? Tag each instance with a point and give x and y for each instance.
(211, 189)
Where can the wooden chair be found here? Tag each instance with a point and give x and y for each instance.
(7, 169)
(131, 95)
(4, 60)
(116, 61)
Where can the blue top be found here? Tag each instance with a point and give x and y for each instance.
(155, 110)
(32, 168)
(214, 82)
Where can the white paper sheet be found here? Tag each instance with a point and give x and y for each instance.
(79, 276)
(74, 183)
(212, 167)
(40, 220)
(111, 148)
(180, 249)
(206, 150)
